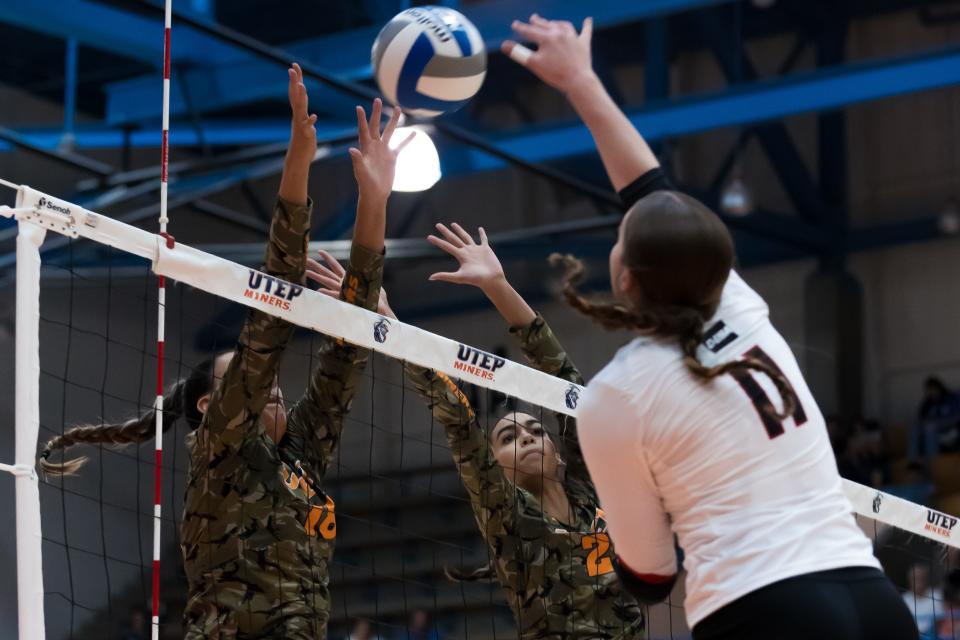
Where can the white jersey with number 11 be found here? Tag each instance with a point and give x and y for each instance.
(751, 498)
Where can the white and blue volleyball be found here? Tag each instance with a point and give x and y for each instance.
(429, 60)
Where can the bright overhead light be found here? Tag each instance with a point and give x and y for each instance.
(418, 165)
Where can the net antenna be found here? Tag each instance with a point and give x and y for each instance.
(161, 328)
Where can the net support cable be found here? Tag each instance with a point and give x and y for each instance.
(38, 212)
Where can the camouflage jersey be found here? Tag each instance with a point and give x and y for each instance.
(558, 576)
(258, 532)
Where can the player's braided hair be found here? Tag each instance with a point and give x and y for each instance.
(680, 255)
(179, 401)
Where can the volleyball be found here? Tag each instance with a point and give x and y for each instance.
(429, 60)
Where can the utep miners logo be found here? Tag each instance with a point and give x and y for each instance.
(273, 291)
(877, 501)
(940, 523)
(478, 363)
(380, 330)
(572, 397)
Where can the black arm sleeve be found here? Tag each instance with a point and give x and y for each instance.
(653, 180)
(645, 589)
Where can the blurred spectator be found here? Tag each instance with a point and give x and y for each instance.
(136, 626)
(838, 440)
(866, 455)
(948, 627)
(938, 425)
(915, 486)
(420, 627)
(924, 601)
(361, 631)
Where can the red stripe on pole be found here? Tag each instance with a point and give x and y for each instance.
(157, 459)
(164, 153)
(159, 368)
(166, 53)
(161, 281)
(156, 588)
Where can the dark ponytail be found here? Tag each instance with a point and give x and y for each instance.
(684, 323)
(179, 401)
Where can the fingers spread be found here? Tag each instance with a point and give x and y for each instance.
(483, 237)
(443, 245)
(449, 235)
(375, 119)
(586, 33)
(517, 52)
(332, 262)
(403, 144)
(530, 32)
(462, 233)
(445, 276)
(362, 130)
(391, 124)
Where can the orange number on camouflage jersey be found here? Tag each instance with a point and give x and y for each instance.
(597, 562)
(323, 523)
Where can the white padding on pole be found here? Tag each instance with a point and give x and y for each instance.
(361, 327)
(29, 558)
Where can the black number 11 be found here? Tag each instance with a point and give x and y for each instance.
(761, 401)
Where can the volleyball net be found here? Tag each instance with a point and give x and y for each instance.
(86, 353)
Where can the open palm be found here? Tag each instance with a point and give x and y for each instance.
(479, 265)
(374, 162)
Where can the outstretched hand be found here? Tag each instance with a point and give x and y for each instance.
(479, 265)
(374, 162)
(330, 276)
(303, 134)
(562, 58)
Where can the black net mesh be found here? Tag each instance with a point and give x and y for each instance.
(403, 516)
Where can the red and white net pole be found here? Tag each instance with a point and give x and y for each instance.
(161, 308)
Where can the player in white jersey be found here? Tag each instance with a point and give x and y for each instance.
(703, 427)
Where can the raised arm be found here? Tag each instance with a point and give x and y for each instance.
(480, 267)
(245, 388)
(316, 421)
(562, 60)
(492, 496)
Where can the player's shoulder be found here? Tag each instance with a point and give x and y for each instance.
(739, 298)
(634, 375)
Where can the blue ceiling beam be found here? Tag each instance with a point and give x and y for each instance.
(820, 90)
(215, 134)
(348, 55)
(115, 30)
(833, 88)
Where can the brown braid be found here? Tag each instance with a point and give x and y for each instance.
(180, 400)
(132, 431)
(480, 574)
(683, 323)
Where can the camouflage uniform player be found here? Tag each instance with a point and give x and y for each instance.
(258, 532)
(555, 566)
